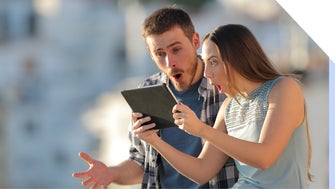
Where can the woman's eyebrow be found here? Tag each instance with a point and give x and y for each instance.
(209, 58)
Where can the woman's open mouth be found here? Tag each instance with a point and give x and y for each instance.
(219, 88)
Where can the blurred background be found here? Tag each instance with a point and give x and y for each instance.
(64, 62)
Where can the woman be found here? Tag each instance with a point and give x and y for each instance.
(262, 124)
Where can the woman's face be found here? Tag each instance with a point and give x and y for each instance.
(214, 66)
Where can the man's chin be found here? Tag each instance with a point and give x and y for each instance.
(180, 86)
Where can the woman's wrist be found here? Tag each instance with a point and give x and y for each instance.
(204, 131)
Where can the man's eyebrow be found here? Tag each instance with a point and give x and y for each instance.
(172, 44)
(175, 43)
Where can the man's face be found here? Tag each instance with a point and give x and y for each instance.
(176, 56)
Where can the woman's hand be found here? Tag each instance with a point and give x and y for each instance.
(142, 131)
(186, 119)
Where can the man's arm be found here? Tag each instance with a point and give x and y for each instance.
(98, 174)
(129, 173)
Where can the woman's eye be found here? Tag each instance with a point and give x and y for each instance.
(213, 63)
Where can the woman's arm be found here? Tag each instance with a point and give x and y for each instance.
(200, 170)
(285, 113)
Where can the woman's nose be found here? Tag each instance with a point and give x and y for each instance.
(207, 73)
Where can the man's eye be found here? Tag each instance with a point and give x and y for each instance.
(160, 54)
(176, 50)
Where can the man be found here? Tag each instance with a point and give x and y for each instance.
(172, 44)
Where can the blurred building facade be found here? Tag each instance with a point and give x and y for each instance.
(63, 63)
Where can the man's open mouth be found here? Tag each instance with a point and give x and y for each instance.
(177, 76)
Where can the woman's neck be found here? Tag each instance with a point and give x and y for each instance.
(246, 86)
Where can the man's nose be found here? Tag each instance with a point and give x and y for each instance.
(170, 61)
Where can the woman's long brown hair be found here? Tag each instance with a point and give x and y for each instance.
(240, 50)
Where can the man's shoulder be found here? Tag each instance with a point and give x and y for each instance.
(154, 79)
(210, 91)
(206, 87)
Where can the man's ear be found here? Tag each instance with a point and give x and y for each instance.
(196, 40)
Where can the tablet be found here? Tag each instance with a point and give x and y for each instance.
(155, 101)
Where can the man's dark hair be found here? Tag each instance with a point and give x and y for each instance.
(166, 18)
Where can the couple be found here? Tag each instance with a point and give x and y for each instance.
(233, 104)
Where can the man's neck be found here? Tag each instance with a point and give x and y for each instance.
(199, 71)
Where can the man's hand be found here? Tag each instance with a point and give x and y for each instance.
(143, 131)
(98, 174)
